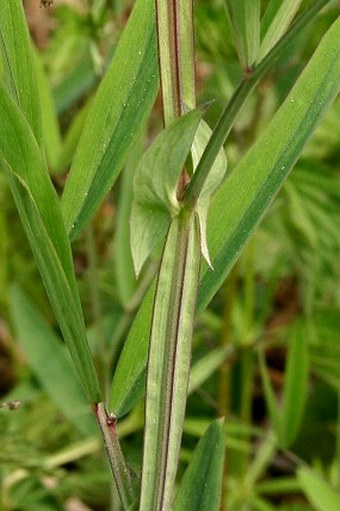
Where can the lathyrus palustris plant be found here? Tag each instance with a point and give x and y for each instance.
(174, 183)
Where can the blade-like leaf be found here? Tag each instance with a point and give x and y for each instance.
(50, 126)
(271, 403)
(124, 270)
(18, 61)
(169, 362)
(245, 22)
(200, 488)
(55, 373)
(119, 110)
(318, 491)
(38, 206)
(207, 365)
(155, 185)
(129, 378)
(243, 198)
(245, 195)
(295, 386)
(276, 20)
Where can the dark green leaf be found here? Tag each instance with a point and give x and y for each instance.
(201, 486)
(118, 113)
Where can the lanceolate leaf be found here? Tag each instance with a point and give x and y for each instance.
(19, 65)
(275, 22)
(38, 206)
(155, 185)
(119, 110)
(296, 385)
(200, 488)
(244, 196)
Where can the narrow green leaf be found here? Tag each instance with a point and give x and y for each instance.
(169, 362)
(38, 206)
(18, 61)
(244, 197)
(55, 373)
(155, 185)
(129, 378)
(72, 138)
(276, 20)
(245, 23)
(118, 113)
(295, 386)
(318, 491)
(124, 269)
(207, 365)
(271, 403)
(50, 124)
(200, 488)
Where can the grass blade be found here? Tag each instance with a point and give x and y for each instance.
(257, 178)
(318, 492)
(296, 378)
(118, 113)
(275, 22)
(20, 69)
(40, 213)
(169, 362)
(200, 488)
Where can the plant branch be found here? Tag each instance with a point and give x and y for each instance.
(120, 469)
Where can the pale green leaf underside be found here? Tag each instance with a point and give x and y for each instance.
(155, 186)
(213, 181)
(118, 113)
(244, 197)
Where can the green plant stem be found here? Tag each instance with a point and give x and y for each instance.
(120, 470)
(169, 362)
(176, 56)
(233, 108)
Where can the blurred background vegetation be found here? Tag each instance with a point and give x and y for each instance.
(283, 292)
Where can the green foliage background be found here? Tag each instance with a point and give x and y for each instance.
(266, 351)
